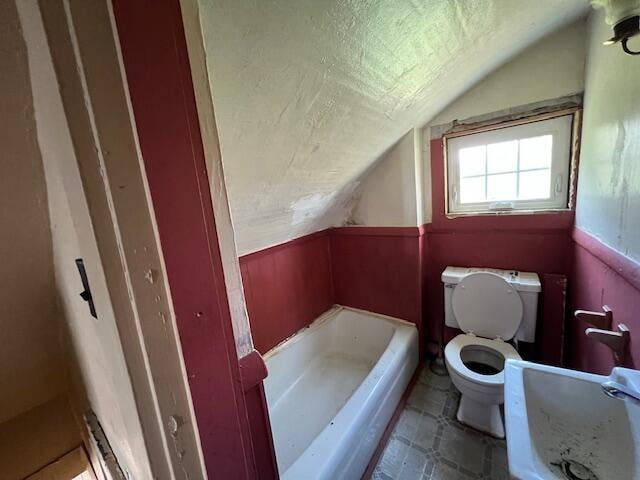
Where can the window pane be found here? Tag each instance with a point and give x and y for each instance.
(502, 187)
(472, 161)
(472, 190)
(535, 152)
(502, 157)
(534, 185)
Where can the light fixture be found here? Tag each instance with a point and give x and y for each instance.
(624, 16)
(623, 31)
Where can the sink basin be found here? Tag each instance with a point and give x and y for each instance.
(561, 425)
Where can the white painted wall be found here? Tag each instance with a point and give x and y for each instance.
(391, 194)
(608, 202)
(551, 68)
(308, 95)
(29, 318)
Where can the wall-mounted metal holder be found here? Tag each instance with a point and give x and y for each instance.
(601, 332)
(602, 320)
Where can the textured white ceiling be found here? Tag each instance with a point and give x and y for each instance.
(309, 93)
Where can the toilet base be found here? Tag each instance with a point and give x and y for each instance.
(481, 416)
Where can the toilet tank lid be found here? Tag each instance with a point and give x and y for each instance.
(521, 281)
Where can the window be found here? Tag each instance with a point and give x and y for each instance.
(525, 167)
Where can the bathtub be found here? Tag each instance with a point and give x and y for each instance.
(332, 389)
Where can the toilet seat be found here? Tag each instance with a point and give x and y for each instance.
(486, 305)
(453, 350)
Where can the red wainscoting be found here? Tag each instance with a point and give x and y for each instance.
(539, 243)
(378, 269)
(534, 252)
(602, 276)
(286, 287)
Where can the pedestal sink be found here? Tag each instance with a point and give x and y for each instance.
(561, 424)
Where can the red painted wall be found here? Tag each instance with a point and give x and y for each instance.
(378, 269)
(538, 252)
(602, 276)
(286, 287)
(289, 285)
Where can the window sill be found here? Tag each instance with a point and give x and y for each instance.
(502, 222)
(507, 213)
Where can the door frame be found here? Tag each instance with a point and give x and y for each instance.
(158, 74)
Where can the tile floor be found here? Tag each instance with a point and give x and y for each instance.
(428, 443)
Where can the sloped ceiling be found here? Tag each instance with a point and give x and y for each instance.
(309, 93)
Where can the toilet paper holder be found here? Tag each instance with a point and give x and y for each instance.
(617, 341)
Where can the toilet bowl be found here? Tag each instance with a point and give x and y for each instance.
(476, 368)
(489, 310)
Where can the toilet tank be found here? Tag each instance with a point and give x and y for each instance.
(527, 284)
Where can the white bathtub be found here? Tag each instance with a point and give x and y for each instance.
(333, 387)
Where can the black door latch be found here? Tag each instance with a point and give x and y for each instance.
(86, 295)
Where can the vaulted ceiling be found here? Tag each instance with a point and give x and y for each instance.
(309, 93)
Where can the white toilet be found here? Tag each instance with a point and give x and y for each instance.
(492, 307)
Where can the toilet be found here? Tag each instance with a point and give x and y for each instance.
(492, 307)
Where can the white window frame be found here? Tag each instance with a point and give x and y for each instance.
(560, 128)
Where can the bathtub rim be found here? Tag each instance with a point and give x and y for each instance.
(324, 318)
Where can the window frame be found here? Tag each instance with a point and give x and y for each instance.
(562, 125)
